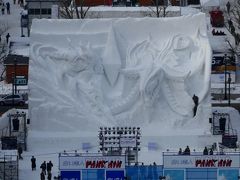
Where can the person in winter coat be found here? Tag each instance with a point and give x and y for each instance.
(3, 8)
(33, 161)
(7, 37)
(44, 167)
(8, 7)
(42, 176)
(205, 151)
(49, 167)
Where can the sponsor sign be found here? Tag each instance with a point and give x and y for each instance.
(218, 64)
(20, 80)
(220, 77)
(174, 174)
(115, 175)
(230, 174)
(70, 175)
(211, 161)
(91, 162)
(128, 141)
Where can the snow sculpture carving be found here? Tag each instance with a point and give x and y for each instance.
(115, 76)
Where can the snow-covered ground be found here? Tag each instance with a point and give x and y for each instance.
(46, 146)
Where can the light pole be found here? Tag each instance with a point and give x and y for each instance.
(225, 77)
(13, 80)
(15, 74)
(229, 91)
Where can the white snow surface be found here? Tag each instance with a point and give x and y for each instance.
(120, 72)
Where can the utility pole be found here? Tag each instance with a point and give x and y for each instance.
(13, 79)
(225, 77)
(15, 74)
(229, 91)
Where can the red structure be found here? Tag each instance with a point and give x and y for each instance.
(94, 2)
(217, 18)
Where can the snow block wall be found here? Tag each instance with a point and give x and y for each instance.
(119, 72)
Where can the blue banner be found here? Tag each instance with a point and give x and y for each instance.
(228, 174)
(115, 175)
(174, 174)
(70, 175)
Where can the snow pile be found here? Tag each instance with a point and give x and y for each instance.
(119, 72)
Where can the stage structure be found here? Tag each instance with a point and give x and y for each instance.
(120, 141)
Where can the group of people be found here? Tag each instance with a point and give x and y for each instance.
(7, 6)
(46, 170)
(218, 33)
(206, 152)
(185, 152)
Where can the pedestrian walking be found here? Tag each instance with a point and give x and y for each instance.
(44, 167)
(42, 176)
(228, 5)
(230, 23)
(49, 177)
(20, 150)
(49, 167)
(3, 8)
(33, 161)
(7, 37)
(8, 7)
(180, 151)
(0, 38)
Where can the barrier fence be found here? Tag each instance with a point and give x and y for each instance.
(175, 167)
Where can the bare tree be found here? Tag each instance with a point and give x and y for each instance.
(159, 8)
(3, 53)
(235, 12)
(69, 9)
(3, 29)
(233, 25)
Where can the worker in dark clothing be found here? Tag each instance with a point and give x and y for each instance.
(205, 151)
(49, 177)
(8, 7)
(230, 23)
(195, 100)
(211, 151)
(7, 37)
(49, 167)
(228, 5)
(42, 176)
(44, 167)
(180, 151)
(20, 150)
(187, 151)
(33, 161)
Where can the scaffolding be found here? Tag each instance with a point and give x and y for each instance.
(9, 165)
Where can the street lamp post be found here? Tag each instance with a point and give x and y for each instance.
(229, 91)
(15, 74)
(225, 77)
(13, 80)
(21, 26)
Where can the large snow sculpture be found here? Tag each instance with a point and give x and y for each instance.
(140, 72)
